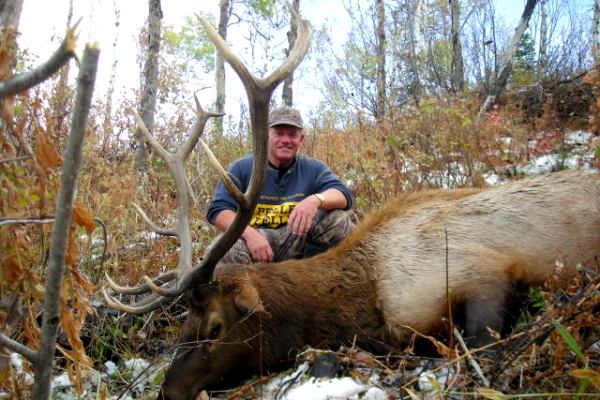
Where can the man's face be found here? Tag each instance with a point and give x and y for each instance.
(284, 141)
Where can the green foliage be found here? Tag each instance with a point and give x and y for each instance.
(191, 46)
(524, 65)
(264, 8)
(534, 303)
(525, 54)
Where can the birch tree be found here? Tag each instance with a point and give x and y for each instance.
(381, 59)
(457, 67)
(287, 95)
(224, 15)
(596, 33)
(147, 106)
(507, 62)
(543, 40)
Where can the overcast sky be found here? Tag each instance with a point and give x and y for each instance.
(43, 24)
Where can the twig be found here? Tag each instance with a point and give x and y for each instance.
(27, 220)
(26, 80)
(105, 239)
(471, 360)
(18, 348)
(14, 159)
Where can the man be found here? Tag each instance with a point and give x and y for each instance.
(302, 208)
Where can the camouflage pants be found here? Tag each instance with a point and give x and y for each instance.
(327, 229)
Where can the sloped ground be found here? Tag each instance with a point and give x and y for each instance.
(553, 353)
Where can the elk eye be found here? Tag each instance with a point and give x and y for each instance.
(215, 330)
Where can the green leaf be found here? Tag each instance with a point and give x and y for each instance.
(158, 378)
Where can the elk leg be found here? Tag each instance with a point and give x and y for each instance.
(486, 309)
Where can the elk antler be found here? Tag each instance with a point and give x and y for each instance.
(259, 92)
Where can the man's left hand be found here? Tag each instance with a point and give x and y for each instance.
(301, 217)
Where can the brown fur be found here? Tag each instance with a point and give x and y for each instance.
(389, 274)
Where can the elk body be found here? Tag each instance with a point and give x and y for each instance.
(390, 274)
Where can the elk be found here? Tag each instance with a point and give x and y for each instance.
(394, 275)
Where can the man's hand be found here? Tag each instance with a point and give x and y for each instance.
(260, 249)
(301, 217)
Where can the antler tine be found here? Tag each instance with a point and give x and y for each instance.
(139, 289)
(259, 92)
(148, 304)
(231, 188)
(175, 161)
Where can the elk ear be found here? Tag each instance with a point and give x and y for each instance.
(247, 299)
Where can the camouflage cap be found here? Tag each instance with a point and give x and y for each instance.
(285, 116)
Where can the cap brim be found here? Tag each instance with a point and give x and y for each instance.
(285, 122)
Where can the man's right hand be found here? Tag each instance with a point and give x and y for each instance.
(260, 249)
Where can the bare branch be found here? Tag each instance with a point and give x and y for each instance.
(26, 220)
(18, 348)
(14, 159)
(64, 207)
(26, 80)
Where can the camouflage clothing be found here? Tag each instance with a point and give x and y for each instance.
(327, 229)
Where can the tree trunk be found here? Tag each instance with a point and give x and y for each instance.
(543, 50)
(596, 33)
(507, 62)
(380, 38)
(10, 14)
(287, 94)
(107, 118)
(149, 85)
(414, 10)
(224, 14)
(458, 81)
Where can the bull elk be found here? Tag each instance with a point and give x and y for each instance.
(393, 275)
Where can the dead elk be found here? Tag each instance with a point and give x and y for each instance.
(389, 274)
(386, 279)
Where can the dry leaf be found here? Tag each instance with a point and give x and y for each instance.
(592, 375)
(72, 253)
(12, 270)
(46, 155)
(82, 217)
(80, 280)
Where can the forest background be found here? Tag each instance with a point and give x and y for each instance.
(402, 84)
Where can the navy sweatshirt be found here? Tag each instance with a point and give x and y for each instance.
(281, 191)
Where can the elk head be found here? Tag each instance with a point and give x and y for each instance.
(204, 357)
